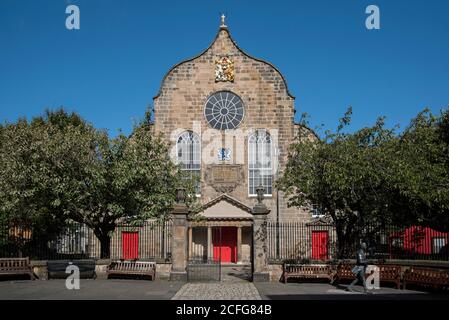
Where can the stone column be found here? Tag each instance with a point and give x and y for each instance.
(239, 244)
(209, 243)
(260, 261)
(190, 254)
(179, 243)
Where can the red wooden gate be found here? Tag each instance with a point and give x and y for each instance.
(225, 246)
(319, 245)
(130, 245)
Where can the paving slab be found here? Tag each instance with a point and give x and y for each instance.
(111, 289)
(324, 291)
(114, 289)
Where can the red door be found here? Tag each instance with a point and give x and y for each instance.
(130, 245)
(225, 245)
(319, 245)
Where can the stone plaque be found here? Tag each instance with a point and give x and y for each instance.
(224, 177)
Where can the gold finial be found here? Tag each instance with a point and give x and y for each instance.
(223, 17)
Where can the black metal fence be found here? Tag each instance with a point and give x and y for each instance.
(147, 241)
(285, 240)
(309, 242)
(293, 240)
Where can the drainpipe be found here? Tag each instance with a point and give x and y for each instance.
(277, 209)
(277, 225)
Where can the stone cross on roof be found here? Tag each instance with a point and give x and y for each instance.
(223, 17)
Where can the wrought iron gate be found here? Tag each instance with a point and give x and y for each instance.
(205, 268)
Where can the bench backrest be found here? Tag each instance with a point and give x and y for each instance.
(10, 264)
(345, 270)
(389, 271)
(307, 269)
(132, 266)
(427, 274)
(61, 265)
(386, 272)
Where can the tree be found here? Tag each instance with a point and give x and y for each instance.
(59, 167)
(420, 171)
(341, 175)
(373, 176)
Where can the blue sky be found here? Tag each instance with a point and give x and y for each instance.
(110, 69)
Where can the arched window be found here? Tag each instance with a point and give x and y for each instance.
(260, 162)
(189, 156)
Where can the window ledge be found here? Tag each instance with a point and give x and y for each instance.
(265, 196)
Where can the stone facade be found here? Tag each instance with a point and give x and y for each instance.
(179, 106)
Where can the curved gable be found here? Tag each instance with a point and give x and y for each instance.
(223, 34)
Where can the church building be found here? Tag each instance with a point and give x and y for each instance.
(229, 118)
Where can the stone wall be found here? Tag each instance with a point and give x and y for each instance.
(163, 271)
(40, 269)
(275, 271)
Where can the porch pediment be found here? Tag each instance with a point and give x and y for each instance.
(226, 207)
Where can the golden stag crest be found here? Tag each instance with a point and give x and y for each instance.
(224, 69)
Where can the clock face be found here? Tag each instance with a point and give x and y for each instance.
(224, 110)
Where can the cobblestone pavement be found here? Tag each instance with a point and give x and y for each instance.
(218, 291)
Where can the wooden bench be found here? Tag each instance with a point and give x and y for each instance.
(387, 273)
(344, 272)
(142, 268)
(16, 266)
(390, 273)
(56, 268)
(304, 271)
(426, 277)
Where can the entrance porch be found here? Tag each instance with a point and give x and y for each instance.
(227, 242)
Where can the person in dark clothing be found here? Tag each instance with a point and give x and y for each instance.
(360, 269)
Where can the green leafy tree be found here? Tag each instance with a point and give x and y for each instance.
(420, 171)
(59, 167)
(340, 175)
(373, 176)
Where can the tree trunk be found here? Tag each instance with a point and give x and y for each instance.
(105, 244)
(348, 237)
(105, 250)
(345, 240)
(341, 241)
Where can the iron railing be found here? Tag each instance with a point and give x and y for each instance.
(286, 240)
(308, 242)
(77, 241)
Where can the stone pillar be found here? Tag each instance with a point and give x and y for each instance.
(260, 261)
(190, 254)
(209, 243)
(179, 243)
(239, 244)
